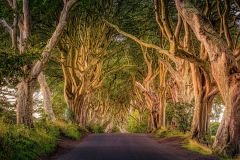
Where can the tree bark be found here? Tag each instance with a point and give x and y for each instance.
(25, 102)
(226, 73)
(46, 96)
(203, 105)
(162, 95)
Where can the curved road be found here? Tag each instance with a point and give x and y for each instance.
(127, 147)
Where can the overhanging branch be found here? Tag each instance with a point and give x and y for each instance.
(179, 53)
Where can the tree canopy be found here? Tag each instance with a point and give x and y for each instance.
(125, 65)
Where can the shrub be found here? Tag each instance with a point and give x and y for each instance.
(96, 128)
(179, 116)
(162, 133)
(69, 130)
(137, 124)
(213, 128)
(115, 130)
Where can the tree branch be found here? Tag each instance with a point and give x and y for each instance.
(5, 25)
(172, 71)
(142, 43)
(37, 68)
(179, 53)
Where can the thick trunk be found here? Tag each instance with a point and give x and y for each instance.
(78, 110)
(25, 102)
(76, 104)
(200, 124)
(162, 112)
(201, 115)
(46, 96)
(83, 118)
(154, 116)
(162, 95)
(227, 137)
(152, 104)
(150, 123)
(226, 73)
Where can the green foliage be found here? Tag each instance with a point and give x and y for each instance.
(95, 128)
(213, 128)
(69, 130)
(11, 64)
(179, 116)
(138, 123)
(58, 103)
(18, 142)
(115, 130)
(21, 143)
(7, 115)
(165, 133)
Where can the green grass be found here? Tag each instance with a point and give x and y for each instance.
(197, 147)
(69, 130)
(96, 128)
(165, 133)
(187, 143)
(22, 143)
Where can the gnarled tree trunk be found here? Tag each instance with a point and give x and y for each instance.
(25, 102)
(226, 73)
(203, 105)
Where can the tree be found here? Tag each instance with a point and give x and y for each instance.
(26, 84)
(225, 71)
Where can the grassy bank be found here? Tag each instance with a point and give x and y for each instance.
(21, 143)
(186, 141)
(166, 133)
(197, 147)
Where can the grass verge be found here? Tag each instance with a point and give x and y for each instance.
(196, 147)
(22, 143)
(166, 133)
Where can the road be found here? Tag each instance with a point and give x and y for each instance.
(127, 147)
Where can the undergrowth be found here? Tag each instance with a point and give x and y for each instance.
(197, 147)
(21, 143)
(166, 133)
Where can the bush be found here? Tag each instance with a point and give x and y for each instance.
(69, 130)
(179, 116)
(96, 128)
(115, 130)
(21, 143)
(162, 133)
(137, 124)
(213, 128)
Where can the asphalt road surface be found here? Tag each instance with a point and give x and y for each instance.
(127, 147)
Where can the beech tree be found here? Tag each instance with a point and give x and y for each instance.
(21, 23)
(225, 71)
(83, 50)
